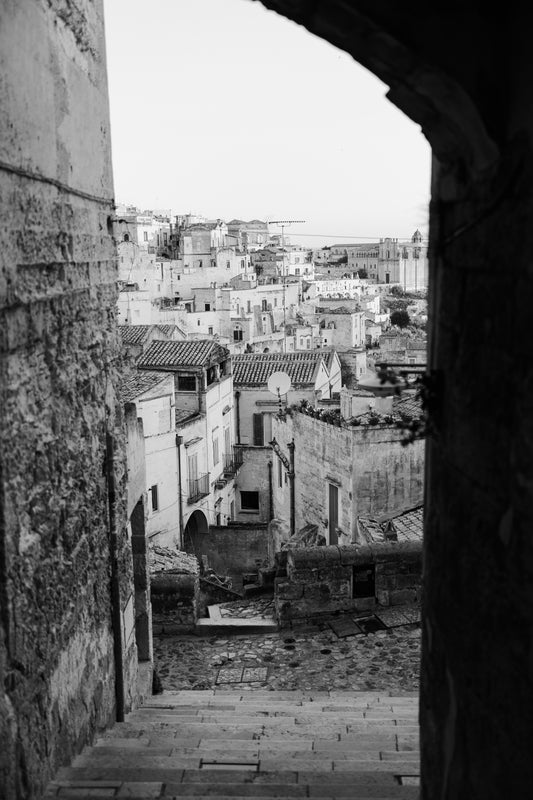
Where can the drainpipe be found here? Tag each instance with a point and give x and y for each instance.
(116, 616)
(238, 416)
(179, 441)
(270, 493)
(291, 478)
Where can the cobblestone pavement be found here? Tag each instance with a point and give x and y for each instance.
(314, 658)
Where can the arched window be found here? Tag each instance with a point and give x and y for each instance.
(126, 237)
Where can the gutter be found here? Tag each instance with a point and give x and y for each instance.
(116, 616)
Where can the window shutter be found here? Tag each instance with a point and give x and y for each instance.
(258, 430)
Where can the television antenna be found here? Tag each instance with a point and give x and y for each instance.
(282, 224)
(279, 384)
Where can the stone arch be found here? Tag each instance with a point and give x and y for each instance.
(196, 524)
(427, 94)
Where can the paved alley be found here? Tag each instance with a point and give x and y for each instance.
(330, 655)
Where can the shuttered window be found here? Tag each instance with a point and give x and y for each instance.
(259, 438)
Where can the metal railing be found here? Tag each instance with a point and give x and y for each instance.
(198, 488)
(233, 460)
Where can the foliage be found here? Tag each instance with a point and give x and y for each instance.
(400, 317)
(362, 273)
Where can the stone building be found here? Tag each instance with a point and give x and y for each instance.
(314, 375)
(204, 429)
(343, 470)
(152, 395)
(68, 661)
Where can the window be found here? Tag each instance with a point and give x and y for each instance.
(165, 238)
(242, 263)
(145, 236)
(215, 448)
(249, 501)
(248, 306)
(155, 499)
(237, 335)
(207, 306)
(259, 433)
(210, 330)
(263, 305)
(126, 237)
(228, 264)
(198, 322)
(186, 383)
(297, 270)
(280, 474)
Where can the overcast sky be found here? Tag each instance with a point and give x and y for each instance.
(225, 109)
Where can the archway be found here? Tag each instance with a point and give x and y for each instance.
(195, 527)
(476, 666)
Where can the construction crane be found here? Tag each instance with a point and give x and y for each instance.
(283, 223)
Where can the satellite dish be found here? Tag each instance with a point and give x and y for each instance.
(279, 383)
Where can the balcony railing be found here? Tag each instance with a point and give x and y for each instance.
(198, 488)
(233, 460)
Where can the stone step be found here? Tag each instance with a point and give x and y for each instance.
(205, 744)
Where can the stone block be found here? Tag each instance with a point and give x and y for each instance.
(364, 603)
(289, 590)
(382, 596)
(403, 596)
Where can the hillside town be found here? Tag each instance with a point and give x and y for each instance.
(270, 393)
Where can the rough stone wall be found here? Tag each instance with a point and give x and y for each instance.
(320, 580)
(175, 602)
(235, 550)
(58, 362)
(375, 473)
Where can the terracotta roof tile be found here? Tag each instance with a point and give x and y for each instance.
(409, 525)
(254, 369)
(138, 383)
(135, 334)
(187, 353)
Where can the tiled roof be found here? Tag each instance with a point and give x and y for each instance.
(138, 383)
(134, 334)
(254, 369)
(138, 334)
(187, 353)
(407, 403)
(409, 526)
(184, 415)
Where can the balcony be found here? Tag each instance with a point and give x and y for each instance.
(233, 461)
(198, 488)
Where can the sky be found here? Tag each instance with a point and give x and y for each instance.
(225, 109)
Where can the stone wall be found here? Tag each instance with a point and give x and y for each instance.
(374, 472)
(175, 602)
(62, 489)
(235, 550)
(253, 476)
(323, 580)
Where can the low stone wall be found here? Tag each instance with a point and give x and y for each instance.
(175, 598)
(235, 550)
(322, 580)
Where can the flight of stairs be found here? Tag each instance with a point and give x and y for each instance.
(254, 743)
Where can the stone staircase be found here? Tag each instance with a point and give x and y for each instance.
(253, 743)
